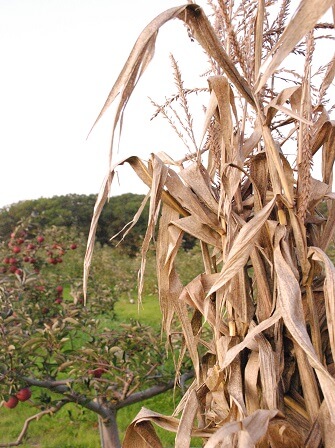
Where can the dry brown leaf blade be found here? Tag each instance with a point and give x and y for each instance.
(203, 232)
(251, 374)
(303, 20)
(191, 204)
(194, 294)
(242, 246)
(329, 291)
(164, 268)
(290, 303)
(255, 426)
(268, 372)
(133, 63)
(184, 432)
(249, 339)
(146, 416)
(203, 31)
(196, 177)
(100, 202)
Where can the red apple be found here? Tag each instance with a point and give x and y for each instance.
(97, 373)
(12, 402)
(40, 238)
(24, 394)
(73, 246)
(16, 249)
(59, 288)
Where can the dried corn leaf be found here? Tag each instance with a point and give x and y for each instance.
(189, 201)
(268, 372)
(324, 133)
(143, 173)
(195, 294)
(202, 30)
(251, 429)
(240, 298)
(248, 341)
(283, 434)
(159, 175)
(329, 291)
(328, 156)
(308, 383)
(329, 228)
(264, 294)
(234, 385)
(220, 86)
(290, 302)
(167, 295)
(196, 177)
(141, 431)
(184, 432)
(278, 177)
(303, 20)
(327, 426)
(242, 246)
(251, 374)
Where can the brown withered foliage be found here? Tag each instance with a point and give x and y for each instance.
(258, 323)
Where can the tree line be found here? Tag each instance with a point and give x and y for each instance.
(75, 211)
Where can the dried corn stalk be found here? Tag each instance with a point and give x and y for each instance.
(258, 323)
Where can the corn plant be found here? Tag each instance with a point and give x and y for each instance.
(258, 321)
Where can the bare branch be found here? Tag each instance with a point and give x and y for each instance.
(152, 391)
(37, 416)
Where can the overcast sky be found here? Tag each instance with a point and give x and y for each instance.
(59, 59)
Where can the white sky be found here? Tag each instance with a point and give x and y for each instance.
(59, 60)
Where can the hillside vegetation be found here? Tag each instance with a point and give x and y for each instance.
(75, 210)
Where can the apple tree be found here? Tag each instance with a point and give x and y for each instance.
(51, 342)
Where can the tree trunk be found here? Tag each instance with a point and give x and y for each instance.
(109, 434)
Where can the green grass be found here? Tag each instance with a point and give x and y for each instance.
(148, 313)
(58, 431)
